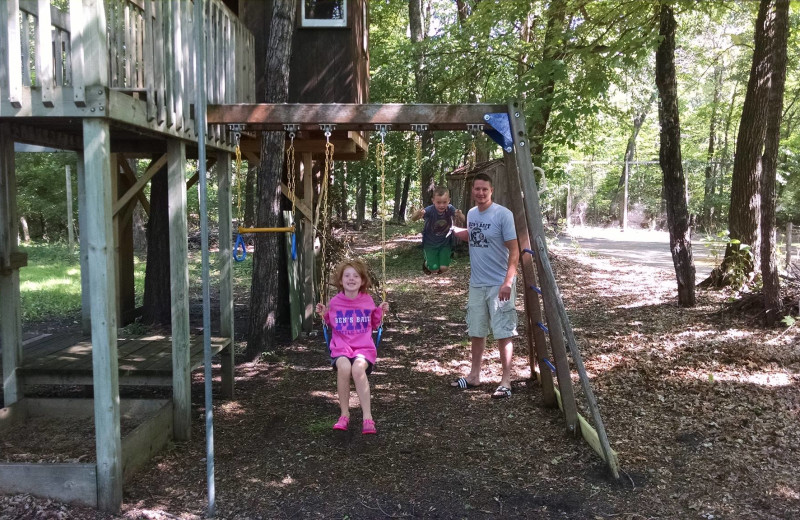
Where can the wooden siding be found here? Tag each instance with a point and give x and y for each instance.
(150, 53)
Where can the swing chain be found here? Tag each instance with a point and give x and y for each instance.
(380, 157)
(473, 151)
(236, 133)
(323, 194)
(290, 164)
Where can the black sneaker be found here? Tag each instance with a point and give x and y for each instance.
(425, 268)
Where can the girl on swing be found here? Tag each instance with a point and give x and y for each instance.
(352, 316)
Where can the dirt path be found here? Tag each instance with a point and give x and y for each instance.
(702, 406)
(641, 247)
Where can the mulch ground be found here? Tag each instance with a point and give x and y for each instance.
(700, 404)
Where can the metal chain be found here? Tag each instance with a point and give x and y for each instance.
(380, 158)
(290, 166)
(324, 204)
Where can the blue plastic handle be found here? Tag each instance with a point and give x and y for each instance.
(536, 289)
(294, 247)
(240, 243)
(542, 326)
(529, 251)
(549, 364)
(378, 338)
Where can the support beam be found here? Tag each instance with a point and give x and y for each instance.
(226, 316)
(86, 294)
(130, 175)
(136, 188)
(97, 164)
(350, 116)
(308, 254)
(533, 211)
(10, 312)
(179, 288)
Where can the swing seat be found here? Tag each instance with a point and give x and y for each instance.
(326, 333)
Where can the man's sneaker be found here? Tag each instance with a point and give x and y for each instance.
(425, 267)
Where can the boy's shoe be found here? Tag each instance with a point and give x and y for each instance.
(425, 267)
(342, 423)
(369, 427)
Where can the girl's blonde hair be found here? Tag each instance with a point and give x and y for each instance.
(360, 267)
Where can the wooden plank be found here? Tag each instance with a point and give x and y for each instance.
(95, 46)
(150, 437)
(13, 48)
(11, 336)
(75, 483)
(537, 343)
(533, 214)
(76, 56)
(8, 197)
(86, 306)
(158, 62)
(148, 57)
(225, 262)
(179, 288)
(178, 68)
(97, 142)
(351, 116)
(128, 172)
(44, 51)
(58, 59)
(154, 167)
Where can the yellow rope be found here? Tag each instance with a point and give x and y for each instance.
(473, 153)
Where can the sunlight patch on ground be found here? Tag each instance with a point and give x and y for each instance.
(232, 408)
(698, 334)
(770, 379)
(786, 492)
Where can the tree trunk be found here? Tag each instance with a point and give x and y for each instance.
(157, 303)
(375, 199)
(743, 223)
(401, 212)
(553, 49)
(708, 188)
(249, 191)
(264, 295)
(361, 198)
(26, 234)
(769, 265)
(670, 158)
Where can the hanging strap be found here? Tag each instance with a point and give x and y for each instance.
(290, 169)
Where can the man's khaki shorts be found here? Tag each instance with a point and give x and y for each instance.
(484, 309)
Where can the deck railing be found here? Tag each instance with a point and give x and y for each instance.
(150, 54)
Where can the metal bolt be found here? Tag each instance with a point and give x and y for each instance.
(516, 114)
(100, 91)
(102, 108)
(522, 143)
(486, 117)
(92, 110)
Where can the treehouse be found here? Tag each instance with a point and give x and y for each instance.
(114, 81)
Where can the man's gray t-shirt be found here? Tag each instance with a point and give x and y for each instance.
(488, 255)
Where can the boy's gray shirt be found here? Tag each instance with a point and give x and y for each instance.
(488, 255)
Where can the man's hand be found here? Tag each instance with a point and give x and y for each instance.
(505, 293)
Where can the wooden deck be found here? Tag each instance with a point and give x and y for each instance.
(143, 360)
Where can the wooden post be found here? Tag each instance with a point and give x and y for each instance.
(102, 273)
(70, 233)
(86, 294)
(123, 245)
(226, 309)
(12, 61)
(10, 313)
(536, 228)
(308, 256)
(537, 343)
(76, 54)
(44, 50)
(179, 287)
(788, 244)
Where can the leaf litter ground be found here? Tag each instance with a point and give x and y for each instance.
(700, 404)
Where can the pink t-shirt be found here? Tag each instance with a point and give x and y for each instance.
(352, 323)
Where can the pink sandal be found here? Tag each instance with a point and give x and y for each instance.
(342, 423)
(368, 427)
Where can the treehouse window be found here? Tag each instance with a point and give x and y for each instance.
(324, 13)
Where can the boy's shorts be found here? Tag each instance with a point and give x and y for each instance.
(438, 256)
(484, 309)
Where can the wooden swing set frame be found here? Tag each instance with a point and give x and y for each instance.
(524, 203)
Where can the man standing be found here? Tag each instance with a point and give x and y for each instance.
(494, 255)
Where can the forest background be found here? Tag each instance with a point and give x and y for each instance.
(586, 74)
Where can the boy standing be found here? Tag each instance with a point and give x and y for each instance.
(436, 235)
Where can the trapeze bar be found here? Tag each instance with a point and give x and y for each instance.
(352, 116)
(266, 230)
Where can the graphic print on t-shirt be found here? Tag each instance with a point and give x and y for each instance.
(352, 321)
(476, 236)
(441, 226)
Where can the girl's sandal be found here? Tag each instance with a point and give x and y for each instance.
(368, 428)
(342, 423)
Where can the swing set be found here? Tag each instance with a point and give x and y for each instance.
(504, 124)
